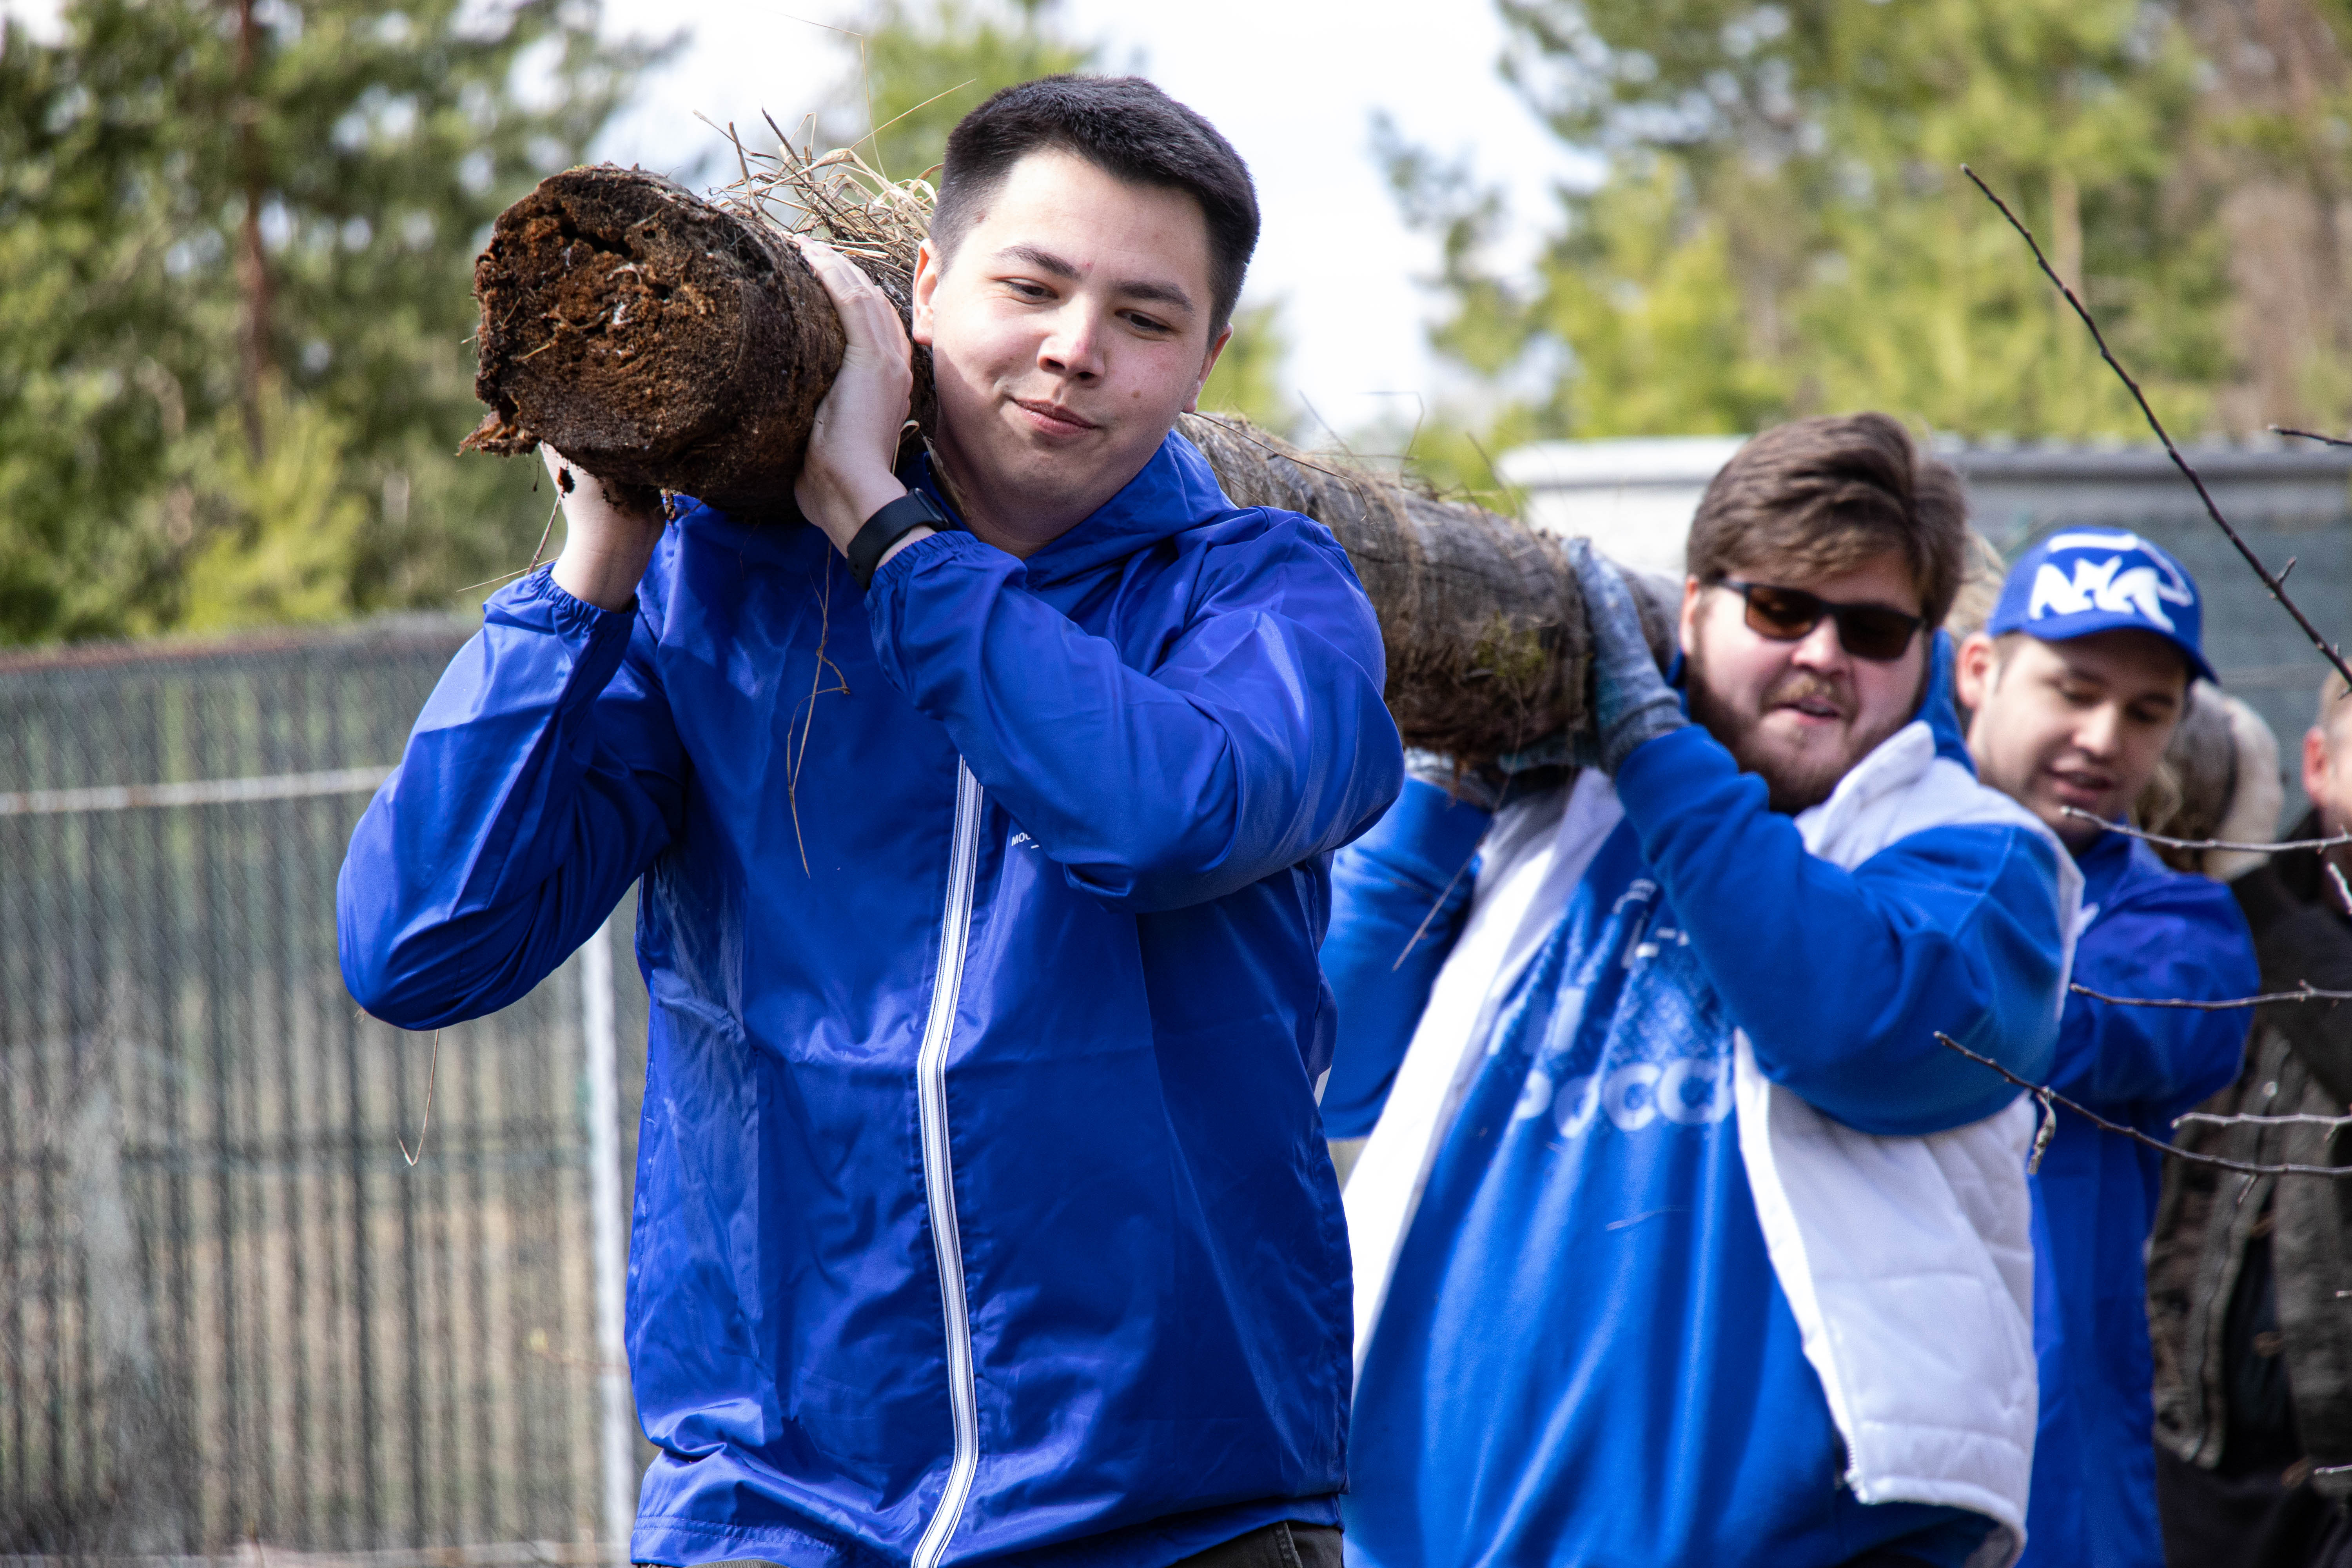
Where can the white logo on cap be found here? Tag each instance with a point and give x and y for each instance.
(2143, 591)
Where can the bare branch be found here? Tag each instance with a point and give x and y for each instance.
(2128, 831)
(1419, 931)
(2049, 1096)
(2309, 435)
(2308, 993)
(2298, 1119)
(431, 1073)
(2278, 589)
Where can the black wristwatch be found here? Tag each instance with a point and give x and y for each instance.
(886, 528)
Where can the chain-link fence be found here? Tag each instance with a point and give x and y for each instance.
(230, 1310)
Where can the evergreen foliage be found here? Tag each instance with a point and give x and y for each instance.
(1780, 227)
(236, 244)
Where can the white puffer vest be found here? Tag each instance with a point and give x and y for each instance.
(1907, 1262)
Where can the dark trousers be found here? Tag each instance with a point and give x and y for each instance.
(2252, 1520)
(1278, 1545)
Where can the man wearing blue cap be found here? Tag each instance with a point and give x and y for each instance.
(2075, 685)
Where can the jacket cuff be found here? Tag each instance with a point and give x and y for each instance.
(910, 559)
(1666, 767)
(595, 639)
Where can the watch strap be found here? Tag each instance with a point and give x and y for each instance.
(892, 523)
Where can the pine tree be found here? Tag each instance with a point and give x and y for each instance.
(236, 251)
(1782, 227)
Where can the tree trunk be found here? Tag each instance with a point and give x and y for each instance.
(663, 342)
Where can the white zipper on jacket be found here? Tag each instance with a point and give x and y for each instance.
(939, 1174)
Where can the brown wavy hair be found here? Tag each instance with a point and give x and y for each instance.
(1817, 496)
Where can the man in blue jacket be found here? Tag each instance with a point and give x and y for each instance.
(982, 1210)
(2074, 686)
(1680, 1239)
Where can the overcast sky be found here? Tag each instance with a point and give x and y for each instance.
(1292, 83)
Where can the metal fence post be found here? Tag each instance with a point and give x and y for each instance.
(602, 1065)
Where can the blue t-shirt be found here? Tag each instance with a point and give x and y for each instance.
(1584, 1357)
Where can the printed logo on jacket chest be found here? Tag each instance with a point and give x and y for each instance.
(1620, 1027)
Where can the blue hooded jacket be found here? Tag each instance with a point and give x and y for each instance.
(2152, 931)
(982, 1208)
(1586, 1355)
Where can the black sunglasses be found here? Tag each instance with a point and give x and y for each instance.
(1874, 632)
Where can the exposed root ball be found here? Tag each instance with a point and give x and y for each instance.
(1487, 646)
(653, 338)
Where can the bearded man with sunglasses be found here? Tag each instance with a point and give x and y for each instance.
(1679, 1239)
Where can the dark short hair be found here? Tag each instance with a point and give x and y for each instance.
(1822, 496)
(1125, 127)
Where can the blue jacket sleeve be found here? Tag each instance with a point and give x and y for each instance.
(1254, 741)
(541, 778)
(2183, 937)
(1842, 978)
(1399, 896)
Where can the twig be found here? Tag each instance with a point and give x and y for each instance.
(2299, 1118)
(2308, 993)
(2045, 1129)
(1245, 434)
(1414, 939)
(432, 1073)
(2343, 889)
(2309, 435)
(2049, 1096)
(535, 550)
(795, 756)
(2278, 589)
(2128, 831)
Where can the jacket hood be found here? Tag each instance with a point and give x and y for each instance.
(1174, 491)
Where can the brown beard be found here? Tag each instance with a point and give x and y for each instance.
(1790, 789)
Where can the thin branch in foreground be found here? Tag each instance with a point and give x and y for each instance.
(2310, 435)
(2298, 1118)
(2049, 1097)
(2308, 993)
(1421, 930)
(431, 1073)
(2278, 588)
(2128, 831)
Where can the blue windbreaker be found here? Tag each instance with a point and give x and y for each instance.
(2155, 933)
(1586, 1356)
(981, 1209)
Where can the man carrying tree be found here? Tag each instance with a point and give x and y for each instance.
(981, 1205)
(2074, 689)
(1680, 1239)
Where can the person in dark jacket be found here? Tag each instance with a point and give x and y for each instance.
(2074, 686)
(985, 821)
(2250, 1277)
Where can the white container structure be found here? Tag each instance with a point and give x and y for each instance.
(1635, 499)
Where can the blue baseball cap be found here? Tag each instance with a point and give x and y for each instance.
(2084, 580)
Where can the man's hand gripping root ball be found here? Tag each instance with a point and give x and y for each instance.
(847, 477)
(1631, 701)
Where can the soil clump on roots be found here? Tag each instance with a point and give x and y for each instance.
(640, 329)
